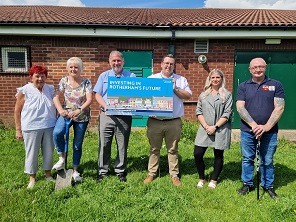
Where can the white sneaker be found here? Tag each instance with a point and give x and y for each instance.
(31, 185)
(76, 176)
(60, 164)
(49, 179)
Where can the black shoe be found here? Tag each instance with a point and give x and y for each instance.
(101, 177)
(245, 189)
(122, 177)
(271, 192)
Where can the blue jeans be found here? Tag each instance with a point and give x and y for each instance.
(59, 138)
(268, 145)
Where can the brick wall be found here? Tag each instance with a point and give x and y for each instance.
(53, 52)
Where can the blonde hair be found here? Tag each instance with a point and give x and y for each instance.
(76, 61)
(208, 86)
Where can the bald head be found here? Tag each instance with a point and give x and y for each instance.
(257, 69)
(257, 61)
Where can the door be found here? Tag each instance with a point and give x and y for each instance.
(140, 63)
(283, 68)
(281, 65)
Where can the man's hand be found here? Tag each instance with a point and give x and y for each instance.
(258, 130)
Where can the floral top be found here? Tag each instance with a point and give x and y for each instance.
(74, 98)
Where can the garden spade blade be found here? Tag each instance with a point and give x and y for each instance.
(64, 176)
(64, 179)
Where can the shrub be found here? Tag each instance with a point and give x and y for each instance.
(189, 130)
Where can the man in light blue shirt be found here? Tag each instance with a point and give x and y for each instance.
(110, 125)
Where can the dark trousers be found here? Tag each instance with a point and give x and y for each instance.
(199, 153)
(120, 127)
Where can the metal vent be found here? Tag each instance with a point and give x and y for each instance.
(201, 46)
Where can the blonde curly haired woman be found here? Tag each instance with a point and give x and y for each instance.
(214, 109)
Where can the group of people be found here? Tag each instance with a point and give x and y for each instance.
(38, 124)
(259, 102)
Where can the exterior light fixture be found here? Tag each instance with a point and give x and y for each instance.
(272, 41)
(202, 59)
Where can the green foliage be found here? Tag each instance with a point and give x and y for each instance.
(1, 124)
(134, 201)
(189, 130)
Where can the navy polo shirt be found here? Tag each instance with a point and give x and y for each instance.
(259, 100)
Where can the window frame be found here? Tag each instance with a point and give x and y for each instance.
(5, 59)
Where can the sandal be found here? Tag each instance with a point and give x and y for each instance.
(200, 184)
(212, 185)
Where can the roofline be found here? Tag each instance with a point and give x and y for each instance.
(147, 32)
(164, 26)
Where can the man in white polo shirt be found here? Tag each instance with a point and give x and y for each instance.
(168, 128)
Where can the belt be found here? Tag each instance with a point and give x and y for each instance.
(165, 119)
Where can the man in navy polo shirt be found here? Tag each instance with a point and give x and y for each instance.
(260, 104)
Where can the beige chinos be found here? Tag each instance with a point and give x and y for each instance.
(170, 130)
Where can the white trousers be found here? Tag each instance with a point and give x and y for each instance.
(34, 140)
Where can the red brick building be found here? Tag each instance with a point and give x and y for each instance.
(49, 35)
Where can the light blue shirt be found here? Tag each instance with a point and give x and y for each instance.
(101, 86)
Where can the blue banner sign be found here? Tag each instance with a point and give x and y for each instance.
(140, 96)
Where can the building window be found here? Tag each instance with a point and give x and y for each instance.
(15, 59)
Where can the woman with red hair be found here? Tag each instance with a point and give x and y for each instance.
(35, 117)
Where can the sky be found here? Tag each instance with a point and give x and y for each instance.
(245, 4)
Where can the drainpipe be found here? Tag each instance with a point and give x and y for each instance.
(172, 46)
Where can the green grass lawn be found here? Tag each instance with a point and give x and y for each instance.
(134, 201)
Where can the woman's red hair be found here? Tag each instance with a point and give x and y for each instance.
(38, 69)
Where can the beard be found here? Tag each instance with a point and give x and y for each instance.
(117, 69)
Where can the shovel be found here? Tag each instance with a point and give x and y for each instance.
(64, 176)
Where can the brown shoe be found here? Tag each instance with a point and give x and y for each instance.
(176, 181)
(148, 179)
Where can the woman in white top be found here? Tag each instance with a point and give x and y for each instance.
(35, 117)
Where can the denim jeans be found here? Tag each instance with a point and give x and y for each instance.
(59, 138)
(268, 145)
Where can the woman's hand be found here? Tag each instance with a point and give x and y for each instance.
(63, 112)
(18, 135)
(74, 113)
(210, 130)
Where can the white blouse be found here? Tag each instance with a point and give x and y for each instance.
(38, 111)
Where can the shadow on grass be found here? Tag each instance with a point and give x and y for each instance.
(89, 169)
(283, 175)
(138, 164)
(231, 170)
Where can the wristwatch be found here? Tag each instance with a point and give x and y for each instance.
(217, 127)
